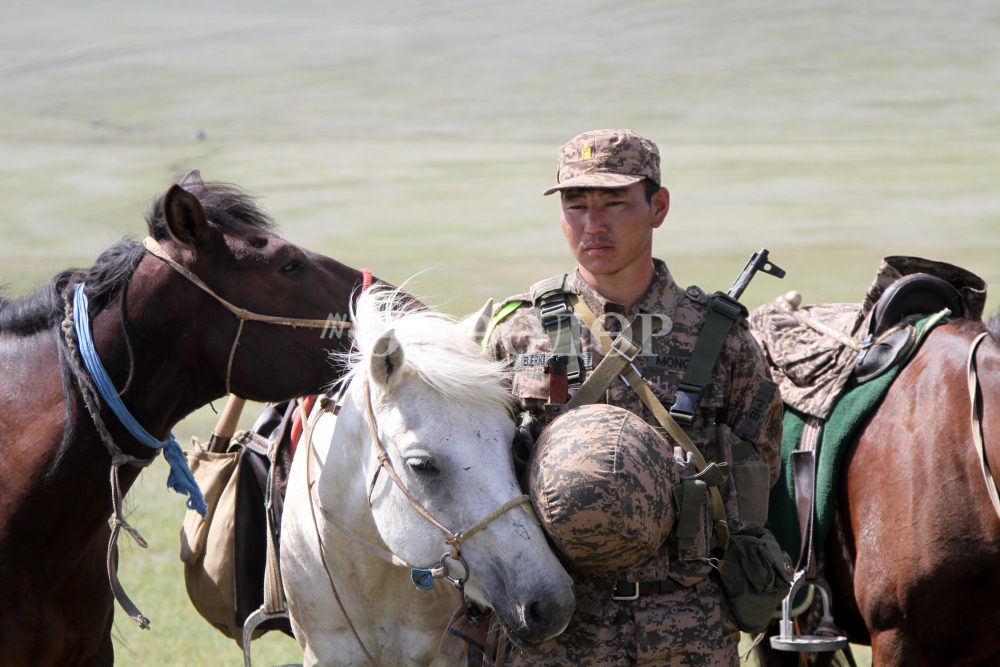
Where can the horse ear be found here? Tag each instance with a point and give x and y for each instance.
(192, 180)
(386, 359)
(474, 326)
(185, 217)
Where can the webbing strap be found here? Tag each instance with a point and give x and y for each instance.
(723, 313)
(689, 495)
(670, 427)
(620, 353)
(555, 311)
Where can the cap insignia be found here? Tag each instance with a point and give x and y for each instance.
(585, 153)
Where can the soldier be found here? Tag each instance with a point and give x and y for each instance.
(671, 609)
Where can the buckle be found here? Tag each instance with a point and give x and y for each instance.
(635, 596)
(685, 404)
(625, 341)
(550, 315)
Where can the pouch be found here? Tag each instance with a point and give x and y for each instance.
(756, 577)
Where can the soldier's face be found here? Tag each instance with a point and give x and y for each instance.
(609, 230)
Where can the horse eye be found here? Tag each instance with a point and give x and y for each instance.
(292, 266)
(422, 466)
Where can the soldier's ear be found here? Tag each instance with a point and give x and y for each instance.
(661, 205)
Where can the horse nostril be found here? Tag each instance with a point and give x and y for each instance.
(535, 617)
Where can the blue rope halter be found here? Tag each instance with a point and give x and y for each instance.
(180, 479)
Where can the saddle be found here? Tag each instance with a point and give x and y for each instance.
(912, 296)
(817, 351)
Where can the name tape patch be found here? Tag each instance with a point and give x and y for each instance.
(668, 362)
(539, 360)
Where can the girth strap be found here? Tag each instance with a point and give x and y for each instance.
(977, 425)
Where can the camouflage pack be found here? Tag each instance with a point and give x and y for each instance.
(600, 479)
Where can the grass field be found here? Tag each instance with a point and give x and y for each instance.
(416, 137)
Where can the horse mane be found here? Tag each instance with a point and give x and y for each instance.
(224, 204)
(436, 349)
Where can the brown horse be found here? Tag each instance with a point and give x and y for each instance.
(913, 556)
(166, 346)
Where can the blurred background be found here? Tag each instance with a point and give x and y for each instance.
(416, 138)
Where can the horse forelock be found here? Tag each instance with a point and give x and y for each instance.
(435, 348)
(224, 203)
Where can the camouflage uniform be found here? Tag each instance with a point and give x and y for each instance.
(691, 625)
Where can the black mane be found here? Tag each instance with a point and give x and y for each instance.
(224, 204)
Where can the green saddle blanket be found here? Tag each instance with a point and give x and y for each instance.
(853, 407)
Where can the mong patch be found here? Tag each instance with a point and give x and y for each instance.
(668, 362)
(539, 360)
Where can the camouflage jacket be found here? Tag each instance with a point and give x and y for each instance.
(740, 374)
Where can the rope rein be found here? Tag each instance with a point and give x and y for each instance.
(118, 458)
(89, 360)
(242, 314)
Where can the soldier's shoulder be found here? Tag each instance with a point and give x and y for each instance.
(515, 311)
(511, 303)
(559, 283)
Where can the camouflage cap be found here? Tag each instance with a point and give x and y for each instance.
(600, 480)
(606, 159)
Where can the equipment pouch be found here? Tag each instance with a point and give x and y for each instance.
(756, 577)
(748, 494)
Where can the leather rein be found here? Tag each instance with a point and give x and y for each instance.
(423, 578)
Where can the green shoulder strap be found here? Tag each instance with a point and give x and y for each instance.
(555, 312)
(724, 312)
(497, 318)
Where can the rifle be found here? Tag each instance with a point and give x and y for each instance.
(758, 262)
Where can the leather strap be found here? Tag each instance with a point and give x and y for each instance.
(670, 427)
(977, 425)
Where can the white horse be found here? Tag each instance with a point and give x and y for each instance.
(439, 405)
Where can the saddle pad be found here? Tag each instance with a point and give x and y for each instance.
(849, 412)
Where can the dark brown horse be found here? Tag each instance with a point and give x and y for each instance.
(914, 555)
(166, 345)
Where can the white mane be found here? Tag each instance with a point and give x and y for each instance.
(435, 348)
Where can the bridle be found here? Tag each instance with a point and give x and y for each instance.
(422, 578)
(243, 314)
(83, 355)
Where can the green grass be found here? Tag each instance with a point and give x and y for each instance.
(416, 138)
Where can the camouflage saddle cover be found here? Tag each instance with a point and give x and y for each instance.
(813, 349)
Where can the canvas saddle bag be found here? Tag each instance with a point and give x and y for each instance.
(225, 554)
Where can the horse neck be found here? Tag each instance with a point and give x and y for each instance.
(168, 374)
(349, 466)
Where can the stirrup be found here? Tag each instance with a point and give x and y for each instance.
(787, 640)
(249, 625)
